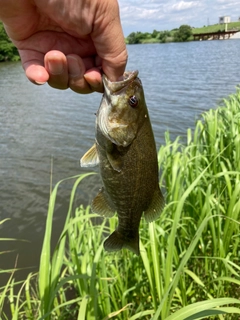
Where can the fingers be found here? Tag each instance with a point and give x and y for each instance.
(80, 80)
(32, 63)
(69, 72)
(94, 78)
(63, 72)
(56, 65)
(35, 72)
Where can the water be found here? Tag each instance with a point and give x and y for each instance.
(39, 124)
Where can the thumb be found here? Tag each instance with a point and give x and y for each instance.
(109, 41)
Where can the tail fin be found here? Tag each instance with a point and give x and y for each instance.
(116, 241)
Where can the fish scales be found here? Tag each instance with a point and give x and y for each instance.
(125, 150)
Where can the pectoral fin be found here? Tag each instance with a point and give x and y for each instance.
(115, 162)
(100, 205)
(155, 207)
(90, 158)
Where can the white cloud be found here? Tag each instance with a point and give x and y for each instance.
(131, 13)
(147, 15)
(183, 5)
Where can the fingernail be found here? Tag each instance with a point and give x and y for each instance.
(39, 82)
(73, 67)
(55, 68)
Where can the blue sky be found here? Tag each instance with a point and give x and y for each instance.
(147, 15)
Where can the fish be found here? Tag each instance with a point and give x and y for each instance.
(125, 151)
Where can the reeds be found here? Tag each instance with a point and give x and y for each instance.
(189, 259)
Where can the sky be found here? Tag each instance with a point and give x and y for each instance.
(147, 15)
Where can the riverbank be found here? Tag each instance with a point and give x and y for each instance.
(181, 34)
(189, 261)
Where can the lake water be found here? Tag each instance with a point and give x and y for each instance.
(39, 124)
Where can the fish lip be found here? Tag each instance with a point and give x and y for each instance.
(115, 86)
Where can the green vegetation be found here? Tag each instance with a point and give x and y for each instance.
(8, 52)
(177, 35)
(189, 264)
(154, 37)
(217, 27)
(183, 33)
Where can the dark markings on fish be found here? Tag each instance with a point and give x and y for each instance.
(125, 149)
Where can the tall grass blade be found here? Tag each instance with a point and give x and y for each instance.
(49, 272)
(203, 309)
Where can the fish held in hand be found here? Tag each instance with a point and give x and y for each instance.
(125, 150)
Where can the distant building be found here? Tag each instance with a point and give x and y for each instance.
(224, 19)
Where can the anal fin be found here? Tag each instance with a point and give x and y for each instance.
(156, 206)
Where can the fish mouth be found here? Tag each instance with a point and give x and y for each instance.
(116, 86)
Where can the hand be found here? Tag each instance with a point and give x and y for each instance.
(67, 43)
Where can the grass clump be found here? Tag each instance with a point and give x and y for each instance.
(189, 259)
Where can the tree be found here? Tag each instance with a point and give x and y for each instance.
(133, 38)
(7, 50)
(155, 33)
(163, 35)
(137, 37)
(183, 33)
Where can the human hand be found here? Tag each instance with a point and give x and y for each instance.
(67, 43)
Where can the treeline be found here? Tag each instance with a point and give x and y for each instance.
(8, 52)
(184, 33)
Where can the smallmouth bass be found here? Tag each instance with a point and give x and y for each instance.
(125, 150)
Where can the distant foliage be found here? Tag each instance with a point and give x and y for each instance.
(155, 34)
(146, 37)
(183, 33)
(8, 52)
(138, 37)
(163, 36)
(177, 35)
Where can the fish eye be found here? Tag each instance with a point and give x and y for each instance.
(133, 101)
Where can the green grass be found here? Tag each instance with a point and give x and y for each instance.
(217, 27)
(150, 40)
(154, 40)
(189, 264)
